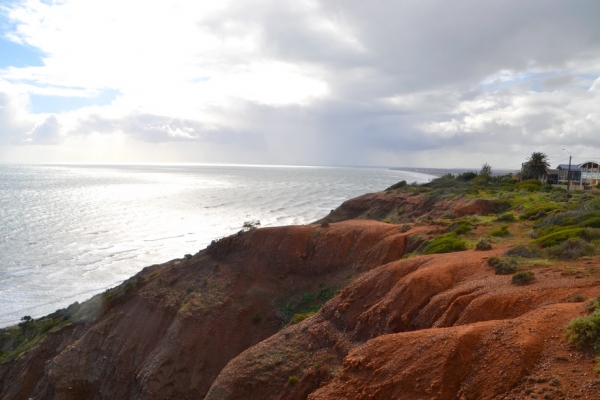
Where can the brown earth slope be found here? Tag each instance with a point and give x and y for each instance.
(428, 327)
(168, 331)
(433, 327)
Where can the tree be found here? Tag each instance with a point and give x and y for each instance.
(486, 169)
(536, 166)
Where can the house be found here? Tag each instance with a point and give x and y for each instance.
(586, 174)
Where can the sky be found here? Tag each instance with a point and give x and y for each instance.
(350, 83)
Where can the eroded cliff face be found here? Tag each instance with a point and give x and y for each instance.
(440, 327)
(170, 330)
(215, 325)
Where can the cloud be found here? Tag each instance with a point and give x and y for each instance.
(47, 132)
(311, 82)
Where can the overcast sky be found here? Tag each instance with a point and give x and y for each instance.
(383, 83)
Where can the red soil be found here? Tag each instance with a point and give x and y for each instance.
(435, 327)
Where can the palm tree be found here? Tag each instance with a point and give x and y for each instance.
(536, 166)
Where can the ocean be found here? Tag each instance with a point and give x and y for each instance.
(68, 232)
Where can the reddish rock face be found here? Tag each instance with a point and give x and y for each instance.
(441, 326)
(171, 333)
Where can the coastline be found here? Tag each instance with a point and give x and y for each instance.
(360, 301)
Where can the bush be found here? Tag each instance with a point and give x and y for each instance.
(529, 187)
(466, 176)
(584, 331)
(576, 298)
(398, 185)
(483, 245)
(559, 195)
(572, 249)
(591, 223)
(556, 238)
(535, 182)
(460, 227)
(292, 380)
(296, 318)
(504, 265)
(256, 318)
(501, 232)
(508, 217)
(550, 182)
(444, 244)
(523, 277)
(524, 251)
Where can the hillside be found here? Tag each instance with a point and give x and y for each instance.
(385, 298)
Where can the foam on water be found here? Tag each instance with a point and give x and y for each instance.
(68, 232)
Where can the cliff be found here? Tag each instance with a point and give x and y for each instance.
(343, 309)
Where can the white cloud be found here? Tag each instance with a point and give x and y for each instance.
(311, 81)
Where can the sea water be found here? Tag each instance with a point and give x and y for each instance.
(68, 232)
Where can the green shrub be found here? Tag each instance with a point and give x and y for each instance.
(493, 261)
(585, 331)
(296, 318)
(524, 251)
(590, 234)
(576, 298)
(292, 380)
(398, 185)
(483, 245)
(550, 182)
(591, 223)
(558, 237)
(256, 318)
(466, 176)
(572, 249)
(530, 185)
(508, 217)
(460, 227)
(504, 265)
(501, 232)
(560, 195)
(535, 182)
(523, 277)
(444, 244)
